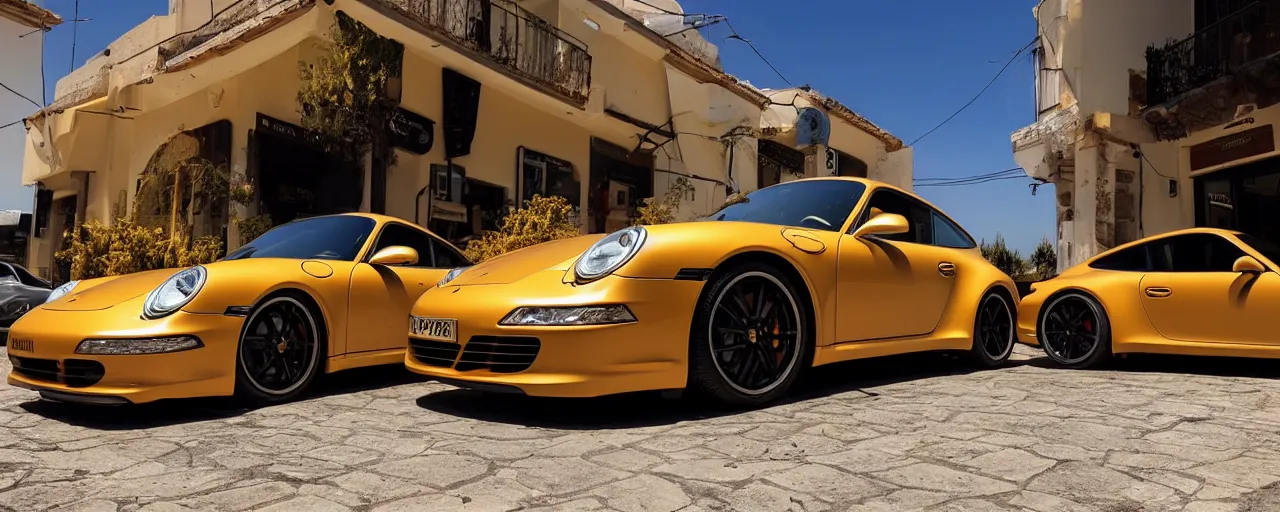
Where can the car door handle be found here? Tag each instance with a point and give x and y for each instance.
(947, 269)
(1159, 292)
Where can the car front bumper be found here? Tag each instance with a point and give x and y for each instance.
(42, 347)
(564, 361)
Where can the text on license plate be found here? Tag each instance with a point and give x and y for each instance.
(443, 329)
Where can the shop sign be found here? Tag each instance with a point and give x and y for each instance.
(1240, 145)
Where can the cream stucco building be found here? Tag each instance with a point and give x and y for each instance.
(586, 99)
(1155, 115)
(21, 24)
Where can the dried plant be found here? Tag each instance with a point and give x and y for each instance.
(542, 219)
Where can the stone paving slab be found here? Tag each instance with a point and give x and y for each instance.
(911, 433)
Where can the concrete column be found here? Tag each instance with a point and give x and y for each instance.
(1085, 219)
(815, 157)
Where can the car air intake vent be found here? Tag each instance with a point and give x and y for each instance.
(433, 353)
(499, 354)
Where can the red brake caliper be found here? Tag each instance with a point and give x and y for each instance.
(1088, 325)
(777, 330)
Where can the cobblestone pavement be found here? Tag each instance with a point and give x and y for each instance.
(914, 433)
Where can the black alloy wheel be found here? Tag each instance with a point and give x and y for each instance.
(750, 338)
(1074, 331)
(993, 330)
(279, 353)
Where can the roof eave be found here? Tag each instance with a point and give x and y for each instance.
(29, 14)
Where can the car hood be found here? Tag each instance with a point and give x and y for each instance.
(516, 265)
(98, 294)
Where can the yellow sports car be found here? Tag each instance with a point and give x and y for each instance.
(803, 273)
(316, 295)
(1193, 292)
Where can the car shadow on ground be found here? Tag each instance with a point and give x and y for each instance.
(634, 410)
(1205, 366)
(172, 412)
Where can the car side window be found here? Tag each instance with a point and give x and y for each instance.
(947, 234)
(399, 234)
(919, 217)
(6, 274)
(447, 257)
(1133, 259)
(1199, 252)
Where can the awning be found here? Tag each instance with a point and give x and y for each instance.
(73, 139)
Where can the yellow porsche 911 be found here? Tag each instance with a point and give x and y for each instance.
(1191, 292)
(734, 307)
(316, 295)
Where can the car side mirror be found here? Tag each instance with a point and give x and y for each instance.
(883, 224)
(1247, 265)
(395, 255)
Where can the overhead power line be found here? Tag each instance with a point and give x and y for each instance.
(962, 178)
(20, 95)
(735, 35)
(971, 182)
(979, 95)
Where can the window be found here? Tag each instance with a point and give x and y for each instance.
(7, 275)
(1193, 253)
(919, 217)
(337, 237)
(1133, 259)
(28, 279)
(399, 234)
(1269, 250)
(813, 204)
(446, 257)
(947, 234)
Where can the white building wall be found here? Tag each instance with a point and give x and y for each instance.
(20, 70)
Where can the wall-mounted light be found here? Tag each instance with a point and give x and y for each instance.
(590, 23)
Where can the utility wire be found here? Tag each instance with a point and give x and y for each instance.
(6, 125)
(75, 24)
(961, 184)
(980, 93)
(20, 95)
(1006, 171)
(735, 35)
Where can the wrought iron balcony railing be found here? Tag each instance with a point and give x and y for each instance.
(1243, 37)
(511, 36)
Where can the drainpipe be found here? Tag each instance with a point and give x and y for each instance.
(518, 193)
(417, 201)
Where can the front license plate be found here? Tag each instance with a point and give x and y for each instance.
(439, 329)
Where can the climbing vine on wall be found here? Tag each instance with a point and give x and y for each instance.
(344, 94)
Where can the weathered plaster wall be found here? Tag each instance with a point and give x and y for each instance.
(703, 114)
(21, 72)
(1112, 39)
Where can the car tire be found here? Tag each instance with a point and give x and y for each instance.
(994, 333)
(1074, 331)
(732, 342)
(281, 350)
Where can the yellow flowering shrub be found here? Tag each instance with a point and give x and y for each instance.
(126, 247)
(663, 211)
(541, 220)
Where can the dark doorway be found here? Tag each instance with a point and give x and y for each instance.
(619, 181)
(1244, 198)
(297, 179)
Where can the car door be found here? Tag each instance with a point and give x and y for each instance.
(382, 295)
(891, 286)
(1191, 294)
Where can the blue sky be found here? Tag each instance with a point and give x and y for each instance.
(905, 65)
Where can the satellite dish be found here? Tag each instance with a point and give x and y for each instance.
(812, 127)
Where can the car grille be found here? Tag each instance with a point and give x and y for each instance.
(77, 373)
(499, 354)
(433, 353)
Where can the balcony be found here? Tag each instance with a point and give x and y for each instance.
(514, 38)
(1205, 76)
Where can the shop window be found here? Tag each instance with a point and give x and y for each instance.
(545, 175)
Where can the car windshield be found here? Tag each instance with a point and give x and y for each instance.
(27, 278)
(816, 204)
(1267, 248)
(337, 237)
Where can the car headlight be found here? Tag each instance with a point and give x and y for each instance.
(60, 291)
(138, 346)
(609, 254)
(450, 276)
(569, 315)
(174, 293)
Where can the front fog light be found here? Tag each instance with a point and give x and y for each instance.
(136, 346)
(570, 315)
